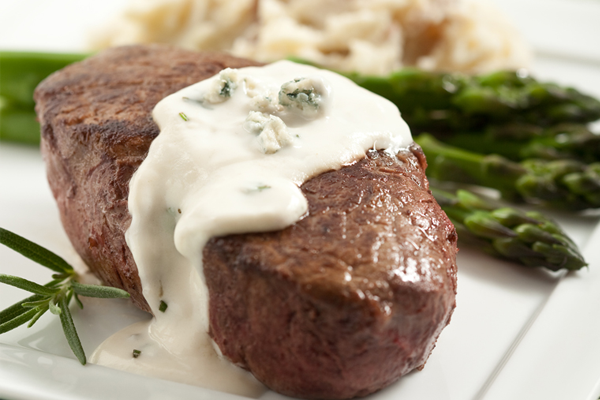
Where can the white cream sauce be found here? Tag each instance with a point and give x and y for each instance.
(231, 155)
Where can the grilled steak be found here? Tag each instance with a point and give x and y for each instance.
(338, 305)
(96, 130)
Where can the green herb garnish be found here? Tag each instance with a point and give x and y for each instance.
(263, 187)
(226, 89)
(54, 296)
(136, 353)
(199, 102)
(163, 306)
(183, 116)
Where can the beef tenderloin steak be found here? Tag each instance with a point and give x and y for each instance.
(338, 305)
(97, 128)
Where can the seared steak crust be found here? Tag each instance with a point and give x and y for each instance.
(96, 130)
(348, 299)
(338, 305)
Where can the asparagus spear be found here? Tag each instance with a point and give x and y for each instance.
(428, 100)
(525, 237)
(18, 125)
(519, 142)
(21, 73)
(566, 184)
(440, 102)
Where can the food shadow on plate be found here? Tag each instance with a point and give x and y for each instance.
(98, 320)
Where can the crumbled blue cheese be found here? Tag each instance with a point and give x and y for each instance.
(271, 130)
(263, 99)
(222, 88)
(303, 95)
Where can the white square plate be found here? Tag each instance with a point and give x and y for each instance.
(517, 333)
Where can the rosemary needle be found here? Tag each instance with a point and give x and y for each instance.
(54, 296)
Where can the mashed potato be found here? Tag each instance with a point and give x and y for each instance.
(367, 36)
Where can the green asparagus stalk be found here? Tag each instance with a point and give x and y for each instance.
(528, 238)
(565, 184)
(429, 101)
(519, 142)
(20, 73)
(19, 125)
(23, 71)
(441, 102)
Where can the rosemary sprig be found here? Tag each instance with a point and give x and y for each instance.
(54, 296)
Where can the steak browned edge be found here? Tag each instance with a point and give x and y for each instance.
(338, 305)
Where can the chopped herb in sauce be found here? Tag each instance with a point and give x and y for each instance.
(136, 353)
(256, 189)
(199, 102)
(226, 89)
(183, 116)
(163, 306)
